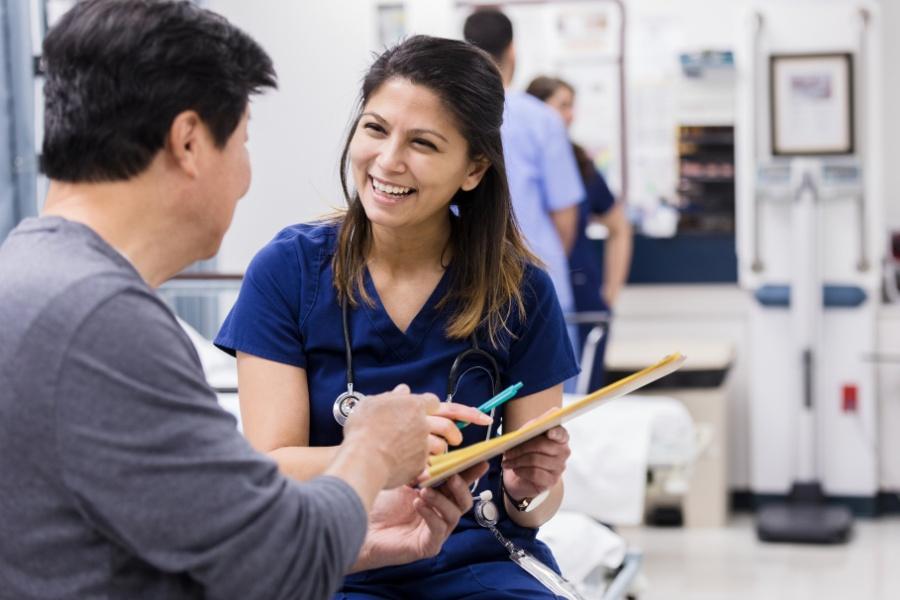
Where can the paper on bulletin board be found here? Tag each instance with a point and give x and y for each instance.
(579, 43)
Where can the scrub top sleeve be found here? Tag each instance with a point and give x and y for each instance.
(541, 355)
(600, 198)
(560, 178)
(265, 319)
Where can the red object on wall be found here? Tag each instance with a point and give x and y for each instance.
(850, 398)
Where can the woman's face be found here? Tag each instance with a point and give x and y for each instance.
(563, 100)
(407, 157)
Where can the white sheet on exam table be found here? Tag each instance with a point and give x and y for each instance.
(612, 448)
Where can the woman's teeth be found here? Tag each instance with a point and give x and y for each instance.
(394, 190)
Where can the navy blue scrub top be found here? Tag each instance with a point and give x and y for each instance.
(287, 311)
(585, 267)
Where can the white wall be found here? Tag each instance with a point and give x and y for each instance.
(890, 10)
(320, 51)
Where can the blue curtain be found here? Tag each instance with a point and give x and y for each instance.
(18, 162)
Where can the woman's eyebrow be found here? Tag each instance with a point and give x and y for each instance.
(418, 131)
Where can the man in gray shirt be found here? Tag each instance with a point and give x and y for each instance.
(120, 476)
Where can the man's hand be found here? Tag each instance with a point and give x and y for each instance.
(393, 429)
(407, 524)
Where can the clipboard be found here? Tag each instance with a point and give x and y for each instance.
(442, 466)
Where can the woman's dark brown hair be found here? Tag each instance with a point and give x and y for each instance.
(489, 254)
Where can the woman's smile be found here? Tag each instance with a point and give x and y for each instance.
(386, 192)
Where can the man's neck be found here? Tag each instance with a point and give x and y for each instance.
(126, 216)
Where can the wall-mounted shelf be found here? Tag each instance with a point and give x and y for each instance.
(706, 179)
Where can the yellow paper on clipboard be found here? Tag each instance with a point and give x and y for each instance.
(442, 466)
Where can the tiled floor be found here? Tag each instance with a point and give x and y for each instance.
(730, 563)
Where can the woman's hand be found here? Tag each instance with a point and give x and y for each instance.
(442, 424)
(536, 465)
(406, 524)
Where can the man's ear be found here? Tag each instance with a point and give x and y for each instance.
(477, 168)
(187, 138)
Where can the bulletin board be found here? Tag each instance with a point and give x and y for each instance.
(581, 42)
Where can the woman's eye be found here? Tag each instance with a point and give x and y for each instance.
(424, 143)
(374, 127)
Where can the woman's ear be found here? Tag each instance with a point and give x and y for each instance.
(477, 168)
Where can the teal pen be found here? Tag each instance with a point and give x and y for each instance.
(495, 401)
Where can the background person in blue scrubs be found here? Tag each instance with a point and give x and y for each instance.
(595, 287)
(430, 260)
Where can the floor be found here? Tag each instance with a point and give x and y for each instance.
(712, 564)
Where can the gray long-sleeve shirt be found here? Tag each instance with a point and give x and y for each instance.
(120, 476)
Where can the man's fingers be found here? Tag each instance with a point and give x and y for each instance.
(442, 506)
(438, 527)
(457, 490)
(436, 445)
(444, 428)
(401, 389)
(431, 403)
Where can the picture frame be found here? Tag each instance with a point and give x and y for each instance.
(811, 104)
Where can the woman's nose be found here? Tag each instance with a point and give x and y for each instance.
(390, 157)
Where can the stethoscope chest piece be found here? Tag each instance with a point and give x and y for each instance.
(344, 405)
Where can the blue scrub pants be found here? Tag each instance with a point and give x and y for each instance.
(473, 566)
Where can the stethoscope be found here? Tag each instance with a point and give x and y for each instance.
(347, 401)
(484, 509)
(486, 512)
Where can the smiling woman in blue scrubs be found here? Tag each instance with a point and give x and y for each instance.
(430, 263)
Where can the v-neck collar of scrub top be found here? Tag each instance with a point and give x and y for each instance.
(403, 344)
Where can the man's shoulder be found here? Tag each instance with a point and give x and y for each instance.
(55, 277)
(46, 256)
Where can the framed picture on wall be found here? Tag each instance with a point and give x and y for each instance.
(811, 101)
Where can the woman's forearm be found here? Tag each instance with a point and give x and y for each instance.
(539, 515)
(303, 462)
(617, 259)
